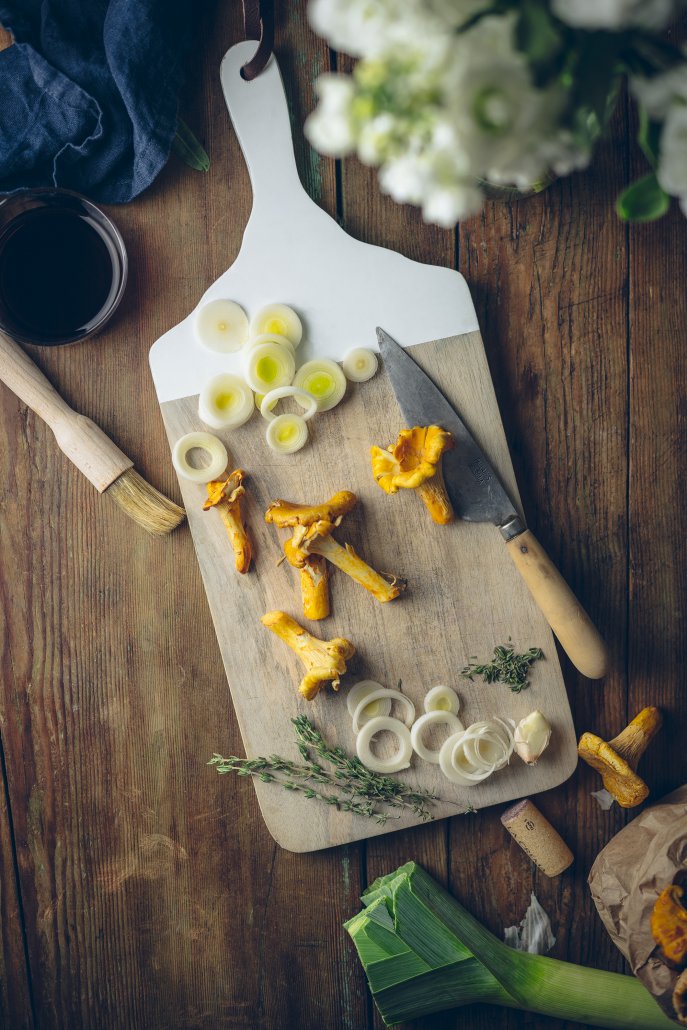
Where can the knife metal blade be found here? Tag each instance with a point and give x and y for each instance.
(474, 488)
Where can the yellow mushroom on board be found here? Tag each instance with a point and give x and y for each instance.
(225, 495)
(324, 660)
(414, 463)
(669, 925)
(617, 759)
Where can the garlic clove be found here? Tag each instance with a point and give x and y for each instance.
(532, 736)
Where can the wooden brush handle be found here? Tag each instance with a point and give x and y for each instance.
(576, 632)
(87, 446)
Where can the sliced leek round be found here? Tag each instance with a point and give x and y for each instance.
(221, 325)
(324, 380)
(259, 398)
(268, 366)
(225, 402)
(455, 769)
(383, 693)
(214, 449)
(283, 341)
(441, 699)
(400, 760)
(280, 319)
(435, 718)
(363, 689)
(360, 364)
(286, 434)
(271, 398)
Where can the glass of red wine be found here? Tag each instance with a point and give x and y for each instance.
(63, 267)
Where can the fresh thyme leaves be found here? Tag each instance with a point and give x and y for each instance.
(357, 789)
(505, 667)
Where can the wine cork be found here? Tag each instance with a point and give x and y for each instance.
(537, 838)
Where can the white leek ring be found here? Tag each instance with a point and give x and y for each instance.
(449, 767)
(360, 364)
(441, 699)
(221, 325)
(362, 690)
(324, 380)
(377, 695)
(279, 319)
(283, 341)
(225, 402)
(431, 719)
(269, 365)
(286, 434)
(215, 449)
(270, 399)
(401, 760)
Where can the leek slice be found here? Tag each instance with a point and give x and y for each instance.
(268, 366)
(441, 699)
(225, 402)
(434, 718)
(400, 760)
(280, 319)
(286, 434)
(323, 379)
(283, 341)
(270, 400)
(213, 447)
(360, 364)
(381, 694)
(363, 689)
(221, 325)
(423, 953)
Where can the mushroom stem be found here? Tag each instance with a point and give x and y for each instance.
(286, 514)
(314, 588)
(435, 497)
(617, 759)
(636, 737)
(324, 660)
(346, 559)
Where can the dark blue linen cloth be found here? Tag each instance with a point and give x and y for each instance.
(88, 93)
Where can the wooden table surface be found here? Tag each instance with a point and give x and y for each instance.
(137, 888)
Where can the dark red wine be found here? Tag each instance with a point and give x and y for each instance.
(58, 275)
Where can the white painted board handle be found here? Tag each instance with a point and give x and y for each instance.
(260, 117)
(87, 446)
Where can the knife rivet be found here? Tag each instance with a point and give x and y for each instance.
(524, 549)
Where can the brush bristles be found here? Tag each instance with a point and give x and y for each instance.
(144, 504)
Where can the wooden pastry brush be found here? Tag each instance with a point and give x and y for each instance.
(87, 446)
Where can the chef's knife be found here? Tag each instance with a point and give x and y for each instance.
(478, 496)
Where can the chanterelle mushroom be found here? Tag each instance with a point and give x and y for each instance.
(414, 463)
(312, 542)
(669, 925)
(313, 570)
(680, 998)
(324, 660)
(225, 495)
(617, 759)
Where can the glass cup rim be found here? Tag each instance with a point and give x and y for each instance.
(23, 197)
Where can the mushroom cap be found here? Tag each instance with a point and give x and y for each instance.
(619, 778)
(229, 490)
(669, 926)
(284, 513)
(680, 998)
(412, 460)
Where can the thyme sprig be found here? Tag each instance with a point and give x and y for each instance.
(505, 667)
(358, 789)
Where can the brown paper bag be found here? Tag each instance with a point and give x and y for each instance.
(627, 877)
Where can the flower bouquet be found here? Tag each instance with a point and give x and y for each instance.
(452, 99)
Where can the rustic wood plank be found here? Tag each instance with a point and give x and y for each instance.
(549, 278)
(15, 987)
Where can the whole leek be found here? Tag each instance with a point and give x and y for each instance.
(422, 953)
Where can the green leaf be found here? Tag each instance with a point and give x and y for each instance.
(536, 33)
(186, 146)
(643, 200)
(649, 136)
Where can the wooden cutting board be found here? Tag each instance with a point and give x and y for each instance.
(464, 594)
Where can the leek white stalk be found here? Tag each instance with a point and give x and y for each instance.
(400, 760)
(363, 689)
(324, 380)
(225, 402)
(279, 319)
(221, 325)
(360, 364)
(211, 446)
(423, 953)
(384, 693)
(435, 718)
(441, 699)
(268, 366)
(286, 434)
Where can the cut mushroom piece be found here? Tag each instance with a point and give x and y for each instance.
(225, 495)
(324, 660)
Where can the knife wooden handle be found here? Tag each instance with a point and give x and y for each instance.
(576, 632)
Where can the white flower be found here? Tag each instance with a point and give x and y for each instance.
(446, 205)
(330, 127)
(364, 28)
(672, 166)
(406, 178)
(657, 95)
(615, 14)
